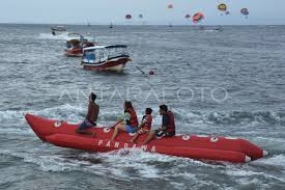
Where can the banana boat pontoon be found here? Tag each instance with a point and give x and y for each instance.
(200, 147)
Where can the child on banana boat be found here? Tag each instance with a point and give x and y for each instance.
(145, 125)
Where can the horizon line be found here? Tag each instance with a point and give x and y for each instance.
(80, 24)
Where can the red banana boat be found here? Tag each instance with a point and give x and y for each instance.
(201, 147)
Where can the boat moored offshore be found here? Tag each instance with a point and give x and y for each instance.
(105, 58)
(75, 44)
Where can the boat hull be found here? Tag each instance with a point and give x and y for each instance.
(75, 47)
(61, 133)
(114, 65)
(74, 52)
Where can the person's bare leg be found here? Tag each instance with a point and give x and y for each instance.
(116, 131)
(149, 137)
(134, 138)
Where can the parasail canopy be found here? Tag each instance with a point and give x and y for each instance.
(170, 6)
(244, 11)
(128, 16)
(222, 7)
(187, 16)
(197, 17)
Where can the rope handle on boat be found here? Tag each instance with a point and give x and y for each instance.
(108, 129)
(58, 123)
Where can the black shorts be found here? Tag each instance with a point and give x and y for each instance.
(86, 124)
(164, 133)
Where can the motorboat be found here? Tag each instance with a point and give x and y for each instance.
(75, 44)
(57, 30)
(105, 58)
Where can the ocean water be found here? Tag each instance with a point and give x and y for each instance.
(228, 82)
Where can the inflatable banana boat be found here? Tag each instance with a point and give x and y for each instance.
(200, 147)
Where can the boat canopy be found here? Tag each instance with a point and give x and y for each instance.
(104, 47)
(116, 46)
(98, 54)
(74, 42)
(73, 34)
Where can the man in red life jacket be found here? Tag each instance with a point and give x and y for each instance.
(167, 127)
(91, 117)
(145, 125)
(129, 123)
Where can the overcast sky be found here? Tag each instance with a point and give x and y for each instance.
(153, 11)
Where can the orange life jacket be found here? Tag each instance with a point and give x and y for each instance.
(133, 119)
(148, 122)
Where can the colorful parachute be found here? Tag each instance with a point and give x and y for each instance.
(197, 17)
(244, 11)
(170, 6)
(187, 16)
(222, 7)
(128, 16)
